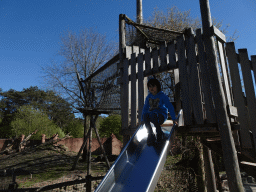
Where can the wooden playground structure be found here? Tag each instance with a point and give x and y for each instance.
(206, 70)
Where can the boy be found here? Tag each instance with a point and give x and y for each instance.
(155, 110)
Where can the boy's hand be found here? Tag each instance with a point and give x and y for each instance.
(175, 122)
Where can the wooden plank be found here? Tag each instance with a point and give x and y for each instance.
(155, 61)
(140, 84)
(136, 50)
(142, 50)
(238, 96)
(128, 52)
(187, 111)
(249, 89)
(204, 74)
(163, 59)
(224, 73)
(194, 88)
(177, 90)
(126, 93)
(148, 62)
(133, 91)
(253, 60)
(172, 61)
(218, 34)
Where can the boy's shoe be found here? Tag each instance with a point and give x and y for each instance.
(151, 139)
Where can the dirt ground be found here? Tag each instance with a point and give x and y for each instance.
(40, 167)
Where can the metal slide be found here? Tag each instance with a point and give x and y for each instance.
(138, 167)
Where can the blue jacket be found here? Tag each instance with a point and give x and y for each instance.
(158, 103)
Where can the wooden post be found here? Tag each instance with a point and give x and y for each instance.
(101, 146)
(216, 170)
(122, 45)
(139, 12)
(86, 129)
(88, 177)
(80, 151)
(210, 176)
(228, 146)
(201, 184)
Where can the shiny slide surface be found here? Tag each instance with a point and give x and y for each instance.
(139, 165)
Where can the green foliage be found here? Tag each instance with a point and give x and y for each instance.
(27, 119)
(75, 128)
(56, 108)
(111, 124)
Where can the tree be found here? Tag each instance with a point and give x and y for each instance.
(27, 119)
(56, 108)
(82, 54)
(111, 124)
(176, 20)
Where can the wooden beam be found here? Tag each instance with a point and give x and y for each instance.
(218, 34)
(139, 12)
(209, 170)
(228, 145)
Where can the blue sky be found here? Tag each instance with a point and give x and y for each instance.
(30, 29)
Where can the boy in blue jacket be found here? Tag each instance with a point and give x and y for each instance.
(155, 110)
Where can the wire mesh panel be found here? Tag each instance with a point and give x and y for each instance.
(103, 90)
(138, 34)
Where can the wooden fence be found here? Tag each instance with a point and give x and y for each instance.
(187, 54)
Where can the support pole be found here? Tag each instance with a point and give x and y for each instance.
(228, 146)
(81, 149)
(210, 176)
(139, 12)
(86, 129)
(88, 177)
(201, 184)
(217, 171)
(122, 45)
(101, 146)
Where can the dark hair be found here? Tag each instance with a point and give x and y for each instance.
(154, 82)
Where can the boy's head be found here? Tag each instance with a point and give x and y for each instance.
(152, 83)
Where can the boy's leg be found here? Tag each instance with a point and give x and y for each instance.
(158, 120)
(147, 122)
(147, 119)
